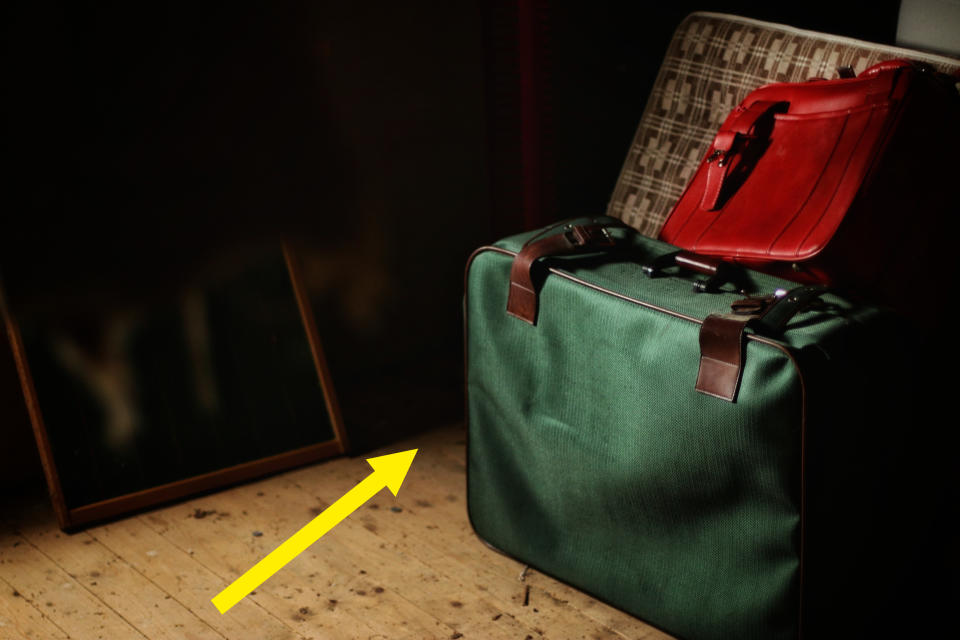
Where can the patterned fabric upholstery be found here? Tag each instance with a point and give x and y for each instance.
(712, 63)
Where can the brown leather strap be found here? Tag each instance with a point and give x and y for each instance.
(523, 298)
(725, 145)
(721, 355)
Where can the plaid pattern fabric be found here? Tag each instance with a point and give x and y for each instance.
(712, 63)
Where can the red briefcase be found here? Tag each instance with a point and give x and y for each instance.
(844, 182)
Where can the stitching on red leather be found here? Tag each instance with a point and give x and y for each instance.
(711, 191)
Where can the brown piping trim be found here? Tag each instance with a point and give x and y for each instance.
(755, 338)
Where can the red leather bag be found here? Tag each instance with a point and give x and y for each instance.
(843, 182)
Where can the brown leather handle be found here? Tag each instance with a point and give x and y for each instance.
(523, 298)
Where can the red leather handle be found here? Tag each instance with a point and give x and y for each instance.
(728, 142)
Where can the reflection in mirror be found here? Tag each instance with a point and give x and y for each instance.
(210, 384)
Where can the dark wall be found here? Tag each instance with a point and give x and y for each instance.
(147, 143)
(147, 134)
(151, 143)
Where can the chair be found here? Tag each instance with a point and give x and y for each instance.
(713, 61)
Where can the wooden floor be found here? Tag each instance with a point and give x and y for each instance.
(405, 567)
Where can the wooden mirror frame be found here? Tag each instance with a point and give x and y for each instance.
(73, 517)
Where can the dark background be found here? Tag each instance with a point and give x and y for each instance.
(150, 143)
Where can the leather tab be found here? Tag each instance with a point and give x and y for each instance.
(721, 355)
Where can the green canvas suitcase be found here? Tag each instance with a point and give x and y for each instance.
(705, 460)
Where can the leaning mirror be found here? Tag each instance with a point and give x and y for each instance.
(211, 384)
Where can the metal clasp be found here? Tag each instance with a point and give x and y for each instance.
(756, 305)
(593, 235)
(720, 155)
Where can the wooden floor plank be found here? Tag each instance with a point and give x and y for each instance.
(353, 548)
(63, 600)
(186, 580)
(22, 620)
(232, 551)
(404, 567)
(293, 601)
(155, 613)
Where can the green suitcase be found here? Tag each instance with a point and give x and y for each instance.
(688, 453)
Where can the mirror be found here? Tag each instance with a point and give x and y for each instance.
(213, 383)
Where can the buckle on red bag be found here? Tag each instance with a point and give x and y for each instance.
(720, 155)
